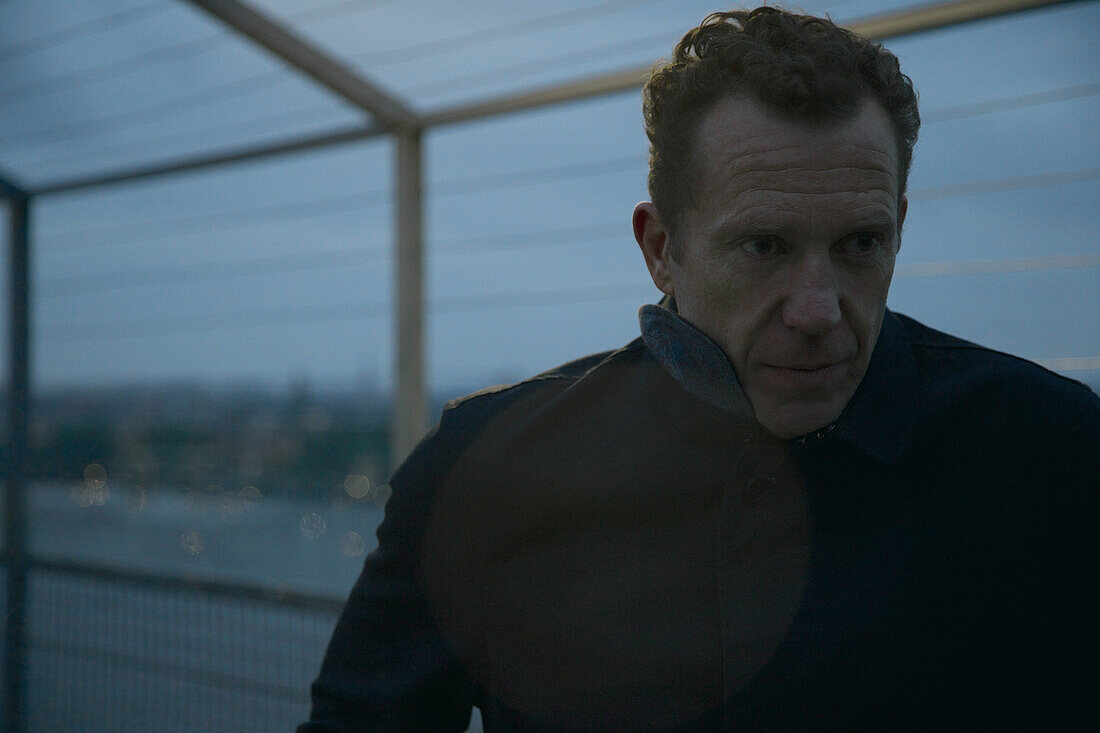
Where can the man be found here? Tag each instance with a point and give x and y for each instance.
(783, 507)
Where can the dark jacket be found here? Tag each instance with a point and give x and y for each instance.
(608, 547)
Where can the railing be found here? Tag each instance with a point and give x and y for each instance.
(115, 650)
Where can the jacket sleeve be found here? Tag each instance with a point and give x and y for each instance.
(387, 668)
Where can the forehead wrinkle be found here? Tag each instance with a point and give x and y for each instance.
(738, 167)
(741, 186)
(776, 216)
(853, 158)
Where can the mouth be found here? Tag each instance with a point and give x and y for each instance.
(811, 374)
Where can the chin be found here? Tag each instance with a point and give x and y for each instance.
(792, 422)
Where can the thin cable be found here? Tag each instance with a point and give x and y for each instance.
(311, 261)
(344, 258)
(329, 112)
(1071, 363)
(483, 36)
(990, 267)
(113, 70)
(537, 176)
(539, 299)
(312, 314)
(281, 316)
(1001, 105)
(220, 92)
(164, 54)
(289, 121)
(526, 240)
(999, 185)
(317, 207)
(337, 9)
(95, 26)
(528, 67)
(145, 115)
(240, 218)
(210, 271)
(45, 136)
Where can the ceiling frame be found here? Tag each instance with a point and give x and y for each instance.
(393, 115)
(311, 61)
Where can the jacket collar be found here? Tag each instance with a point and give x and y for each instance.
(879, 419)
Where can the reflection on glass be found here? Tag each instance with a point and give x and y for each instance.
(191, 541)
(352, 544)
(382, 495)
(312, 526)
(250, 494)
(357, 485)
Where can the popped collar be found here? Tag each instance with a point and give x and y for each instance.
(879, 419)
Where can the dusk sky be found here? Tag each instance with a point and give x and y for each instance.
(274, 271)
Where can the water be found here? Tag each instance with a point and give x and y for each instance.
(110, 656)
(307, 546)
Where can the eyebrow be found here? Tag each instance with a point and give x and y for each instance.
(776, 224)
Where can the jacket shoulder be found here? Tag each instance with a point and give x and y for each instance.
(484, 403)
(957, 372)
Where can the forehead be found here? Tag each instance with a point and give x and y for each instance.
(743, 148)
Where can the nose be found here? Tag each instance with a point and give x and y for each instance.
(812, 305)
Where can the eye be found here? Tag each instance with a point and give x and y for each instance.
(861, 244)
(762, 247)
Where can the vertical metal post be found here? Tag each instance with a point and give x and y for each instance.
(15, 536)
(410, 409)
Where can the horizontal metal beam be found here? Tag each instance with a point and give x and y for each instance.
(312, 61)
(252, 152)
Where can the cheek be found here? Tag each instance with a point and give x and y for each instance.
(867, 289)
(725, 305)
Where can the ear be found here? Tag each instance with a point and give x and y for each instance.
(653, 239)
(903, 209)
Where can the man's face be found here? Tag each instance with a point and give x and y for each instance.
(786, 257)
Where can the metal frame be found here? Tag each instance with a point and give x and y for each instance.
(410, 415)
(390, 116)
(15, 539)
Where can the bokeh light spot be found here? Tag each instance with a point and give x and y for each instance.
(352, 544)
(312, 526)
(191, 541)
(250, 494)
(357, 485)
(382, 495)
(88, 496)
(95, 476)
(231, 504)
(133, 501)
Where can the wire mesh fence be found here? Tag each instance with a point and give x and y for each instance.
(112, 650)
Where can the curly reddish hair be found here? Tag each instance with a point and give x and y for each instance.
(804, 68)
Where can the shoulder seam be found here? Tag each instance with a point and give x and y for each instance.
(963, 345)
(547, 376)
